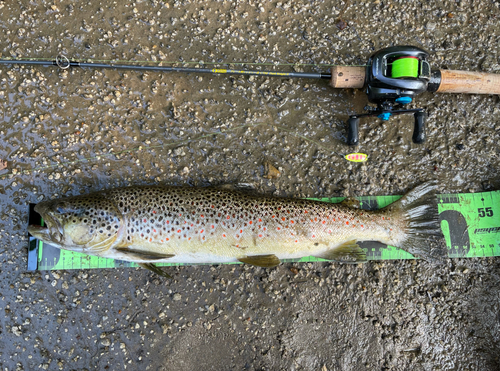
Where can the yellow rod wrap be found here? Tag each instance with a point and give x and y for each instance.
(405, 67)
(243, 72)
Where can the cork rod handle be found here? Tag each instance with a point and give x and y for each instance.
(469, 82)
(344, 77)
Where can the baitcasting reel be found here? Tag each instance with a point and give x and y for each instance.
(394, 76)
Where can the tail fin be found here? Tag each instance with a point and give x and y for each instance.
(422, 236)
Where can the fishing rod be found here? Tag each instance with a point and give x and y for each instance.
(392, 78)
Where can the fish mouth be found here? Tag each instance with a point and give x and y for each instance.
(51, 232)
(37, 231)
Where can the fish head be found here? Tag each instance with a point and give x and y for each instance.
(90, 224)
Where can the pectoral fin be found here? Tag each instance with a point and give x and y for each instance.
(143, 255)
(264, 261)
(153, 268)
(348, 252)
(102, 247)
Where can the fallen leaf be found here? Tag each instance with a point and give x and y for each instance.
(270, 172)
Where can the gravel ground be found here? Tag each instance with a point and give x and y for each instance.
(147, 128)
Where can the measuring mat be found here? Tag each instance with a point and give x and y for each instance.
(470, 224)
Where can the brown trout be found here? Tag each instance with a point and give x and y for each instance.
(151, 224)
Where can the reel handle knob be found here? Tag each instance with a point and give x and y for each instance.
(419, 130)
(352, 131)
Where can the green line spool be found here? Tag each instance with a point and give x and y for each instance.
(405, 67)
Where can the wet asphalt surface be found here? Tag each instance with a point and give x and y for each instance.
(124, 128)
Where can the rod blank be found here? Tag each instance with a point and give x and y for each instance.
(64, 63)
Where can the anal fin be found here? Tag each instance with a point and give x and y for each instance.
(153, 268)
(348, 252)
(143, 255)
(264, 261)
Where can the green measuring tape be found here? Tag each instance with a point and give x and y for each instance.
(405, 67)
(470, 224)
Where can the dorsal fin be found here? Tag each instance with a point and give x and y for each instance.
(239, 187)
(351, 203)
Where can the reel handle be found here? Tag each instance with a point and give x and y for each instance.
(419, 129)
(353, 131)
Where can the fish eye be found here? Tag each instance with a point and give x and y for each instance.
(66, 208)
(61, 207)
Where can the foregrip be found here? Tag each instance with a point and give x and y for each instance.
(344, 77)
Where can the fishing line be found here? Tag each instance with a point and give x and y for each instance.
(167, 145)
(405, 67)
(352, 157)
(130, 150)
(64, 63)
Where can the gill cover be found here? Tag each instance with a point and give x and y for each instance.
(90, 223)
